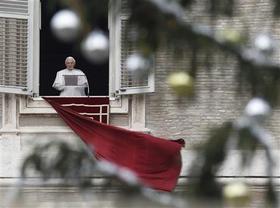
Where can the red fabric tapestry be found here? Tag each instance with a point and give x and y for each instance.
(156, 161)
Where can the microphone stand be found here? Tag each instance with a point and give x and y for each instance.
(88, 89)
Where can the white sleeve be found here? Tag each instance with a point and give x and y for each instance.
(58, 82)
(83, 80)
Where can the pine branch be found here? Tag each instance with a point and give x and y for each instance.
(173, 11)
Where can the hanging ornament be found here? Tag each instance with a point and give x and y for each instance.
(182, 83)
(236, 193)
(230, 36)
(264, 43)
(65, 25)
(257, 109)
(137, 65)
(95, 47)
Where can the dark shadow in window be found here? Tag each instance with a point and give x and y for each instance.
(53, 53)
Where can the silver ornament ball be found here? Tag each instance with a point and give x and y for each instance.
(95, 47)
(264, 43)
(65, 25)
(137, 64)
(257, 108)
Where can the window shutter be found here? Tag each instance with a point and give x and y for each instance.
(127, 83)
(14, 46)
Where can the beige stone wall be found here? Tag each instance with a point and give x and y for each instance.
(65, 197)
(217, 99)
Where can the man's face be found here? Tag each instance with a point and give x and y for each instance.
(70, 64)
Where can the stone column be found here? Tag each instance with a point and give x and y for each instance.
(9, 114)
(10, 144)
(138, 113)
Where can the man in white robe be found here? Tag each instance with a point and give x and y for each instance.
(77, 88)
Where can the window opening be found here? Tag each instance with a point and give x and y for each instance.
(53, 53)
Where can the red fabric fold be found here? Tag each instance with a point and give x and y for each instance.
(156, 161)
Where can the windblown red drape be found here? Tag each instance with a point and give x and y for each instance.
(156, 161)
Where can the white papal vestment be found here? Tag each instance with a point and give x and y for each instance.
(75, 90)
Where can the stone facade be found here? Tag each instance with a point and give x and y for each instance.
(160, 113)
(217, 98)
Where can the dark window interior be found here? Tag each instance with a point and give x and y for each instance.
(53, 53)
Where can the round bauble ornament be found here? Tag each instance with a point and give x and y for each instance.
(236, 193)
(264, 43)
(137, 65)
(257, 109)
(95, 47)
(65, 25)
(182, 83)
(230, 36)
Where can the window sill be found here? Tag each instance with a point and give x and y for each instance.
(37, 105)
(64, 129)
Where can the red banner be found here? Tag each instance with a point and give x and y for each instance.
(156, 161)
